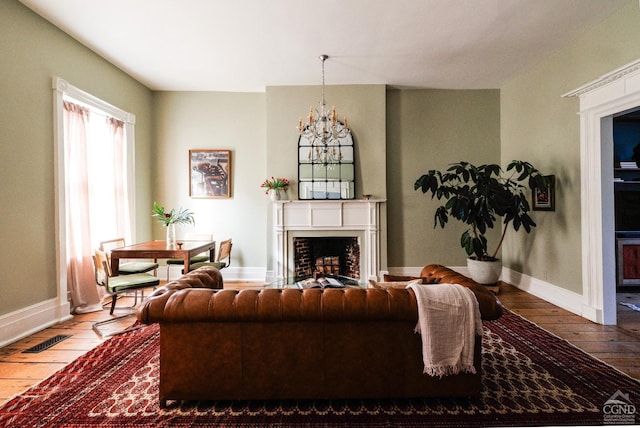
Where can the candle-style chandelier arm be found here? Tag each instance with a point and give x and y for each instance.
(321, 132)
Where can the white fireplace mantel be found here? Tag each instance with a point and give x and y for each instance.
(327, 218)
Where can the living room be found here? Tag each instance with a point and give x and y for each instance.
(400, 133)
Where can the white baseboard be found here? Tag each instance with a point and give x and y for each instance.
(24, 322)
(27, 321)
(415, 271)
(551, 293)
(249, 274)
(558, 296)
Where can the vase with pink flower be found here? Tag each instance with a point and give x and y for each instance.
(170, 218)
(276, 188)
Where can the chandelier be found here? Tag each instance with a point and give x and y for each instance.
(323, 132)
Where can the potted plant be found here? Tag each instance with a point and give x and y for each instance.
(480, 196)
(276, 188)
(169, 219)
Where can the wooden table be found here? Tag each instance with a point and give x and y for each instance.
(159, 250)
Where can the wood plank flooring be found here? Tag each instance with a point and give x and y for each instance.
(617, 345)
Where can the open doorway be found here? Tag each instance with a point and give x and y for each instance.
(611, 94)
(626, 182)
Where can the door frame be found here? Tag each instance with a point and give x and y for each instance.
(610, 94)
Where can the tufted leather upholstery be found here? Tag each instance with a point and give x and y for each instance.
(206, 277)
(289, 343)
(490, 306)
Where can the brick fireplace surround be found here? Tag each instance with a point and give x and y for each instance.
(358, 219)
(335, 255)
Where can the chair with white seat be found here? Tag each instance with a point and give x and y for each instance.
(129, 267)
(199, 258)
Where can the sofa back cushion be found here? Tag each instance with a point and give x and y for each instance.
(274, 305)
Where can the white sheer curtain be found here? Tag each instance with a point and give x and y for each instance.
(121, 186)
(85, 296)
(97, 202)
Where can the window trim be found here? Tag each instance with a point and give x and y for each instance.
(62, 88)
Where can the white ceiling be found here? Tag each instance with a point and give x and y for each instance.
(245, 45)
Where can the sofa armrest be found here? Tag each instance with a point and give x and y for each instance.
(490, 306)
(204, 277)
(152, 308)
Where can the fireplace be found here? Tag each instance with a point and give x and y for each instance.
(330, 255)
(349, 230)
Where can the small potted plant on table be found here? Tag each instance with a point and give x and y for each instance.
(169, 219)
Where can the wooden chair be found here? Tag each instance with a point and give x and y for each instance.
(120, 283)
(199, 258)
(117, 285)
(223, 259)
(127, 268)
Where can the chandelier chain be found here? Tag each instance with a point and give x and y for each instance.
(323, 58)
(323, 133)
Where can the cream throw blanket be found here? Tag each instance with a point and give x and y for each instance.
(448, 319)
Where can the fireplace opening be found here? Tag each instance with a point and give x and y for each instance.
(331, 255)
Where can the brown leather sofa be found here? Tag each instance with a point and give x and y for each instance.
(490, 307)
(305, 344)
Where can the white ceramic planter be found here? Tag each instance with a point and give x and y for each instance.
(484, 272)
(171, 235)
(278, 195)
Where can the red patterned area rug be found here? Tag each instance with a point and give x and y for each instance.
(531, 378)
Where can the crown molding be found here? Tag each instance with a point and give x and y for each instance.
(604, 79)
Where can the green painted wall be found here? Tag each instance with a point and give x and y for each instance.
(364, 106)
(399, 134)
(260, 130)
(222, 121)
(430, 129)
(540, 126)
(33, 51)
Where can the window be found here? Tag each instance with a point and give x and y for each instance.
(94, 187)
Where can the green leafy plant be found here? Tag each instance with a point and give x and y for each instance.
(181, 216)
(480, 196)
(275, 184)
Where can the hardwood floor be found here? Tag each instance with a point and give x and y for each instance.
(617, 345)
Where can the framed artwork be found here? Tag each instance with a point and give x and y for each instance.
(209, 173)
(545, 200)
(628, 257)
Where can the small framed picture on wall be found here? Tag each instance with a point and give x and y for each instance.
(545, 200)
(209, 173)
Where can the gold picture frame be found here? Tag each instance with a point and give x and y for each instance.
(209, 173)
